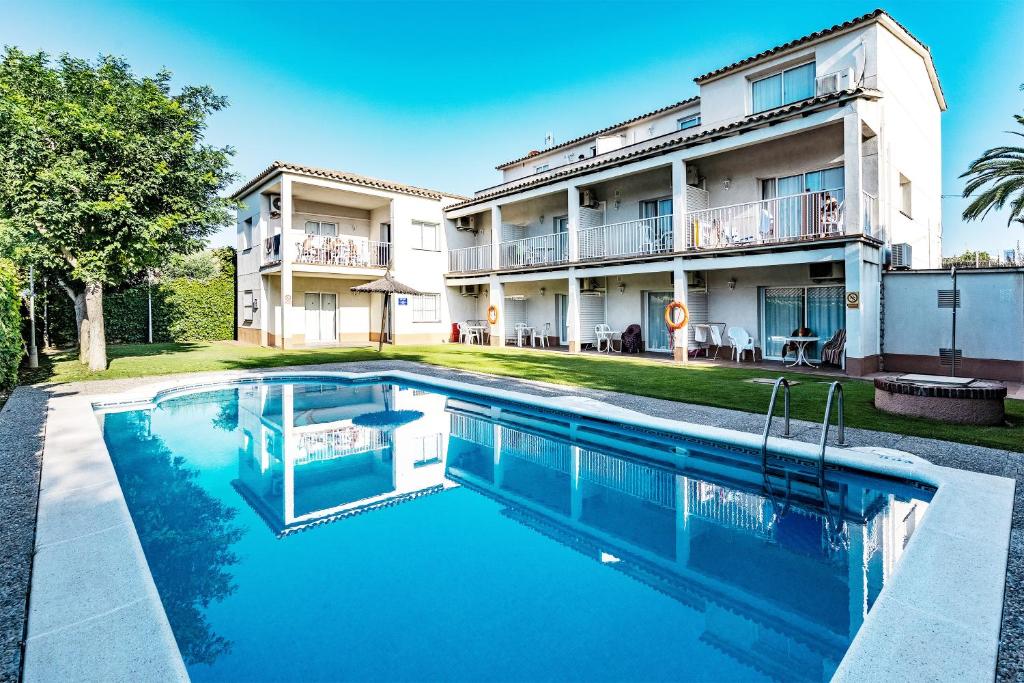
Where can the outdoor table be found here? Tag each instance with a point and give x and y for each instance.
(801, 349)
(526, 330)
(478, 330)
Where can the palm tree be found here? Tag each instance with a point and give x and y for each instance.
(999, 175)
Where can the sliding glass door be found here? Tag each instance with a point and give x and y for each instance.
(787, 309)
(654, 316)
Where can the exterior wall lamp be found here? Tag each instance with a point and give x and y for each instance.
(732, 283)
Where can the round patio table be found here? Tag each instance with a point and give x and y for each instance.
(801, 350)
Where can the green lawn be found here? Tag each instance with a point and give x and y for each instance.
(713, 386)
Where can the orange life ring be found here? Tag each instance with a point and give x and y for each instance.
(670, 320)
(492, 314)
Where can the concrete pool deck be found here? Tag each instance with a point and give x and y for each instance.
(27, 403)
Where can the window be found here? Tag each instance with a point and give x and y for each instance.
(691, 121)
(247, 233)
(791, 85)
(541, 168)
(247, 306)
(426, 308)
(321, 228)
(905, 196)
(425, 236)
(560, 224)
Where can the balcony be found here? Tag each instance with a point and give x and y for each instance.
(543, 250)
(801, 217)
(351, 252)
(631, 238)
(470, 259)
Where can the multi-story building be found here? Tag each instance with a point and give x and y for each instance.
(771, 202)
(766, 203)
(307, 235)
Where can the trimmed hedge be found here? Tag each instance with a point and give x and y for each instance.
(184, 309)
(12, 348)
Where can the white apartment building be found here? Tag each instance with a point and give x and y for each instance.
(307, 235)
(772, 201)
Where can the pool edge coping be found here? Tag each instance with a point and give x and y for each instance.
(905, 607)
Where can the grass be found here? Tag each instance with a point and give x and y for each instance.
(722, 387)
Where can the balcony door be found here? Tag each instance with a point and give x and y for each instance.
(796, 214)
(655, 331)
(821, 309)
(658, 230)
(321, 317)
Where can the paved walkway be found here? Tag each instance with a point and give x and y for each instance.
(24, 414)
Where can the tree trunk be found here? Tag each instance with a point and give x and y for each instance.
(94, 313)
(81, 321)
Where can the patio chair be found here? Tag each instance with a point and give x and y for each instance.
(716, 338)
(468, 335)
(604, 336)
(520, 331)
(834, 350)
(632, 339)
(741, 342)
(540, 337)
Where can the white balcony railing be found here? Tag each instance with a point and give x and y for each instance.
(811, 215)
(469, 259)
(326, 250)
(631, 238)
(535, 251)
(272, 250)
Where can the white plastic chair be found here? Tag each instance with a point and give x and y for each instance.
(520, 329)
(604, 336)
(468, 335)
(741, 342)
(540, 337)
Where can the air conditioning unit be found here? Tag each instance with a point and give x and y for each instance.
(466, 223)
(588, 200)
(901, 256)
(591, 285)
(275, 205)
(830, 270)
(696, 280)
(470, 290)
(827, 84)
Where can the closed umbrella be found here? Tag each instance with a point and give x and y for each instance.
(387, 286)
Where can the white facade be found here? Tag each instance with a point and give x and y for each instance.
(767, 203)
(307, 236)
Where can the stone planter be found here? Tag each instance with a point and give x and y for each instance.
(978, 402)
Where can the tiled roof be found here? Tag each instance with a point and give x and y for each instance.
(569, 143)
(845, 26)
(674, 141)
(343, 176)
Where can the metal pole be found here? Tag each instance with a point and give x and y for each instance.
(46, 313)
(952, 351)
(149, 303)
(33, 352)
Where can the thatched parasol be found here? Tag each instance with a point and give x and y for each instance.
(387, 286)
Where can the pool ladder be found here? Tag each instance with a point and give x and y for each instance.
(835, 389)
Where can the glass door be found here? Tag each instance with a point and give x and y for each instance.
(659, 230)
(312, 305)
(657, 335)
(786, 309)
(562, 303)
(328, 317)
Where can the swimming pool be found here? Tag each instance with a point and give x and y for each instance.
(316, 528)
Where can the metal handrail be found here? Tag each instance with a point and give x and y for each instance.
(835, 388)
(783, 382)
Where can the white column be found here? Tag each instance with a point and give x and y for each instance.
(265, 310)
(863, 278)
(499, 466)
(287, 257)
(679, 207)
(288, 451)
(682, 520)
(854, 172)
(576, 494)
(495, 237)
(573, 313)
(574, 223)
(680, 288)
(496, 291)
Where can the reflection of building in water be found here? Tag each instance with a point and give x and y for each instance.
(778, 591)
(310, 455)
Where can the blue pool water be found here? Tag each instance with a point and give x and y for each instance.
(373, 531)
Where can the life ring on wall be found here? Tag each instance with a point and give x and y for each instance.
(492, 314)
(670, 320)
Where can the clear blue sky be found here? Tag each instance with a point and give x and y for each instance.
(436, 94)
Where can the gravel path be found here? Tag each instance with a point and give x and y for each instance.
(22, 420)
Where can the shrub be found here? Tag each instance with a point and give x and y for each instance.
(12, 347)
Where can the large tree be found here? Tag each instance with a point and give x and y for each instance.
(997, 176)
(104, 174)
